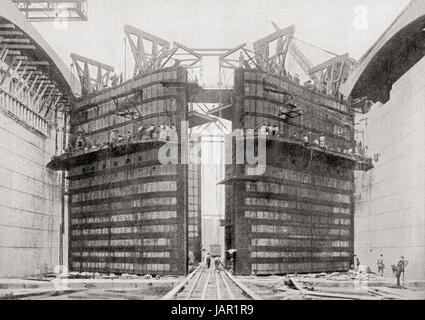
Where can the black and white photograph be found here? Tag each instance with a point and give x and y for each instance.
(216, 151)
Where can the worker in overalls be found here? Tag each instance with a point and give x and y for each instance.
(401, 265)
(81, 141)
(151, 131)
(381, 265)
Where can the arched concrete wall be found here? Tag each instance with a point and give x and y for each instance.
(399, 48)
(30, 194)
(390, 199)
(58, 70)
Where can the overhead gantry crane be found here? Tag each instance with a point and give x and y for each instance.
(327, 76)
(50, 10)
(269, 55)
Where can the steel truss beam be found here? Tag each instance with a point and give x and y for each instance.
(327, 76)
(11, 33)
(299, 56)
(152, 53)
(88, 83)
(332, 73)
(148, 50)
(274, 63)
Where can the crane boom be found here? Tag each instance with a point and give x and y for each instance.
(302, 60)
(299, 57)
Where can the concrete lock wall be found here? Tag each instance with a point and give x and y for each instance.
(30, 202)
(389, 216)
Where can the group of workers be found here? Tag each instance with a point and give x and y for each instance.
(116, 80)
(293, 78)
(269, 130)
(309, 84)
(209, 259)
(165, 132)
(398, 269)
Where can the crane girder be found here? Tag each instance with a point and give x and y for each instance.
(51, 10)
(90, 84)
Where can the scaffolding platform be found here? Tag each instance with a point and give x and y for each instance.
(362, 163)
(78, 158)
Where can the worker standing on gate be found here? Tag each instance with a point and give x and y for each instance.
(401, 265)
(381, 265)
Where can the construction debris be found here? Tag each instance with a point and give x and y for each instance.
(349, 285)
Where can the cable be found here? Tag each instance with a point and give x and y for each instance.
(72, 75)
(120, 64)
(125, 59)
(316, 47)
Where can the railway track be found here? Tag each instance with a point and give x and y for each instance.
(211, 284)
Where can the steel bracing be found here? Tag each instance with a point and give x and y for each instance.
(269, 55)
(90, 83)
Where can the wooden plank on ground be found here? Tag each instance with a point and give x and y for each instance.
(244, 288)
(341, 296)
(180, 286)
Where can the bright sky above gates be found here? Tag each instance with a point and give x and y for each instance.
(334, 25)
